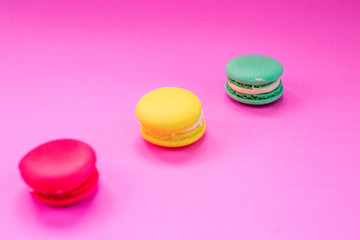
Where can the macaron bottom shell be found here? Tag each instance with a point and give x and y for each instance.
(72, 196)
(178, 140)
(257, 99)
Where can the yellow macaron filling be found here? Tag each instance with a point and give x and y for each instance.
(173, 137)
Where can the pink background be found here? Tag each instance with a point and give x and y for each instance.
(289, 170)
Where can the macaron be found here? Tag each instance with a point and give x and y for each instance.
(60, 172)
(170, 117)
(254, 79)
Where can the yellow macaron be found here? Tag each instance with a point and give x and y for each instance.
(170, 117)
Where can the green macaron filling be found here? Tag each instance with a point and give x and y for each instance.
(248, 86)
(261, 96)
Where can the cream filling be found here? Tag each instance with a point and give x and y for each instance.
(197, 124)
(255, 90)
(55, 192)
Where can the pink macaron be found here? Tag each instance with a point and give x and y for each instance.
(60, 172)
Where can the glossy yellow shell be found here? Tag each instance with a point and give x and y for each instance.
(165, 114)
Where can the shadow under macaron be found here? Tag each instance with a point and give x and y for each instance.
(65, 217)
(287, 102)
(171, 155)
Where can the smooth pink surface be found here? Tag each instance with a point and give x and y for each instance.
(289, 170)
(59, 165)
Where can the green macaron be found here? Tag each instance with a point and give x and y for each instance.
(254, 79)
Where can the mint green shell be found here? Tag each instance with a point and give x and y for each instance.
(257, 99)
(254, 69)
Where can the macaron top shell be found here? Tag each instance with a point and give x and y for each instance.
(168, 109)
(58, 165)
(254, 69)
